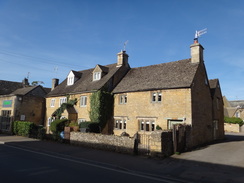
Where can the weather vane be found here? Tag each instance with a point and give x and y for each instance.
(198, 34)
(126, 42)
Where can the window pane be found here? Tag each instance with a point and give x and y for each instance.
(125, 99)
(121, 99)
(159, 97)
(142, 125)
(124, 124)
(116, 123)
(154, 97)
(120, 124)
(147, 126)
(153, 125)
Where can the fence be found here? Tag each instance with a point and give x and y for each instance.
(5, 123)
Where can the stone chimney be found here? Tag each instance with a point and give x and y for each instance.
(25, 82)
(55, 82)
(196, 52)
(122, 58)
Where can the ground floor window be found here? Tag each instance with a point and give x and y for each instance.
(120, 123)
(81, 120)
(49, 121)
(6, 113)
(147, 125)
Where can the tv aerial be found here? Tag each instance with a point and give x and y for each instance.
(125, 43)
(199, 33)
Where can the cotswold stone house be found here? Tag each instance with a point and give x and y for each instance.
(80, 85)
(20, 101)
(234, 108)
(159, 96)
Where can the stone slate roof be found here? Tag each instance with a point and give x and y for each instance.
(85, 83)
(24, 91)
(178, 74)
(237, 103)
(7, 87)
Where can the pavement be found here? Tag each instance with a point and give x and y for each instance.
(221, 162)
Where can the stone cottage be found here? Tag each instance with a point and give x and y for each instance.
(159, 96)
(20, 101)
(80, 85)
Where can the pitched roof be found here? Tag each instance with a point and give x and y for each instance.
(24, 91)
(237, 103)
(178, 74)
(7, 87)
(85, 83)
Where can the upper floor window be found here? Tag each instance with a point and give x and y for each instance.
(156, 97)
(70, 80)
(123, 99)
(52, 104)
(83, 101)
(96, 76)
(62, 100)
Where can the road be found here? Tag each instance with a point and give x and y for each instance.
(31, 160)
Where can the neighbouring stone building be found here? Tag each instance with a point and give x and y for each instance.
(80, 85)
(20, 101)
(234, 108)
(159, 96)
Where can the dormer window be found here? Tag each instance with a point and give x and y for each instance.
(70, 80)
(96, 76)
(72, 77)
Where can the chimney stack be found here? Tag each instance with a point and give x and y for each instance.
(25, 82)
(122, 58)
(196, 52)
(55, 82)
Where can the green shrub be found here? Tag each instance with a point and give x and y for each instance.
(84, 124)
(23, 128)
(58, 125)
(233, 120)
(94, 127)
(158, 127)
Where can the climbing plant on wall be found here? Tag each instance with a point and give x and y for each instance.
(101, 103)
(70, 103)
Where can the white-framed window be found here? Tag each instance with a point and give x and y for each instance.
(49, 121)
(83, 101)
(156, 97)
(81, 120)
(96, 76)
(52, 103)
(123, 99)
(120, 123)
(238, 114)
(147, 125)
(70, 80)
(62, 100)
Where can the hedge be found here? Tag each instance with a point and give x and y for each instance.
(28, 129)
(233, 120)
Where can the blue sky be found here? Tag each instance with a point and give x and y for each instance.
(47, 38)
